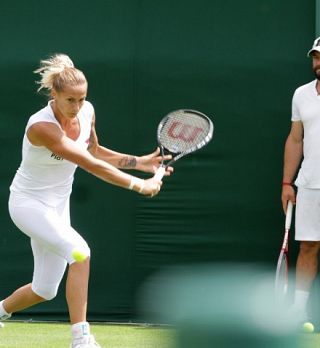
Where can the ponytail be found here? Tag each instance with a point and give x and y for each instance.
(58, 71)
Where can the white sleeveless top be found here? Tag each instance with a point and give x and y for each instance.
(42, 174)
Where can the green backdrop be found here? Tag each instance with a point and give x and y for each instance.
(239, 62)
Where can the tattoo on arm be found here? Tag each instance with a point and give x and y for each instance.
(92, 141)
(128, 162)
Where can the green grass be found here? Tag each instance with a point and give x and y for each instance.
(310, 340)
(56, 335)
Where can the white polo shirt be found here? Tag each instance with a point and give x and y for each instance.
(42, 174)
(306, 108)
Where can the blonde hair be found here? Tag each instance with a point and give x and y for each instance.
(58, 71)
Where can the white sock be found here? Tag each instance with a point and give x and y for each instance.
(300, 300)
(80, 330)
(2, 310)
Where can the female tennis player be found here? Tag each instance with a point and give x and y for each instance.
(57, 139)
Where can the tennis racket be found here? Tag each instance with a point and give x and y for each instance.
(282, 272)
(182, 132)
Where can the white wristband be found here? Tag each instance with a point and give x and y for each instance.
(132, 182)
(141, 186)
(136, 181)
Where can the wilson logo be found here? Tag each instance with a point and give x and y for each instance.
(184, 132)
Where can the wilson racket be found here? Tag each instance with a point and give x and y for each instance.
(182, 132)
(282, 272)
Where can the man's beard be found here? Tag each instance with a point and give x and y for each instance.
(317, 73)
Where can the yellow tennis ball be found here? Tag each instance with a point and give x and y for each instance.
(308, 327)
(78, 255)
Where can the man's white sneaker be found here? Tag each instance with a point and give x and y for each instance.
(85, 342)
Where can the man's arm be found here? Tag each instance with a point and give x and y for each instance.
(293, 153)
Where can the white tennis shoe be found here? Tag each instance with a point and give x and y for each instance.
(5, 316)
(85, 342)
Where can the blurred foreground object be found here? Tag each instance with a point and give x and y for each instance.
(220, 305)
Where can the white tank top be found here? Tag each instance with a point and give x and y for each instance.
(42, 174)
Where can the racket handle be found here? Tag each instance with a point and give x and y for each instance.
(289, 215)
(160, 173)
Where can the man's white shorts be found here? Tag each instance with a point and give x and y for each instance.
(308, 215)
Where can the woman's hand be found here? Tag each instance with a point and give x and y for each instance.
(151, 187)
(150, 163)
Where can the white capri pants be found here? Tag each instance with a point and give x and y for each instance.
(52, 240)
(308, 215)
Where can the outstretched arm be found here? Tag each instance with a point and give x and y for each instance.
(148, 163)
(49, 135)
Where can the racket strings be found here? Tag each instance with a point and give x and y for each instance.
(183, 131)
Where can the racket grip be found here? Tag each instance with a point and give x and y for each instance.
(160, 173)
(289, 215)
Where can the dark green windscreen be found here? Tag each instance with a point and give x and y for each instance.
(238, 62)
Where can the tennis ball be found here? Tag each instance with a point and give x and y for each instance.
(308, 327)
(78, 255)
